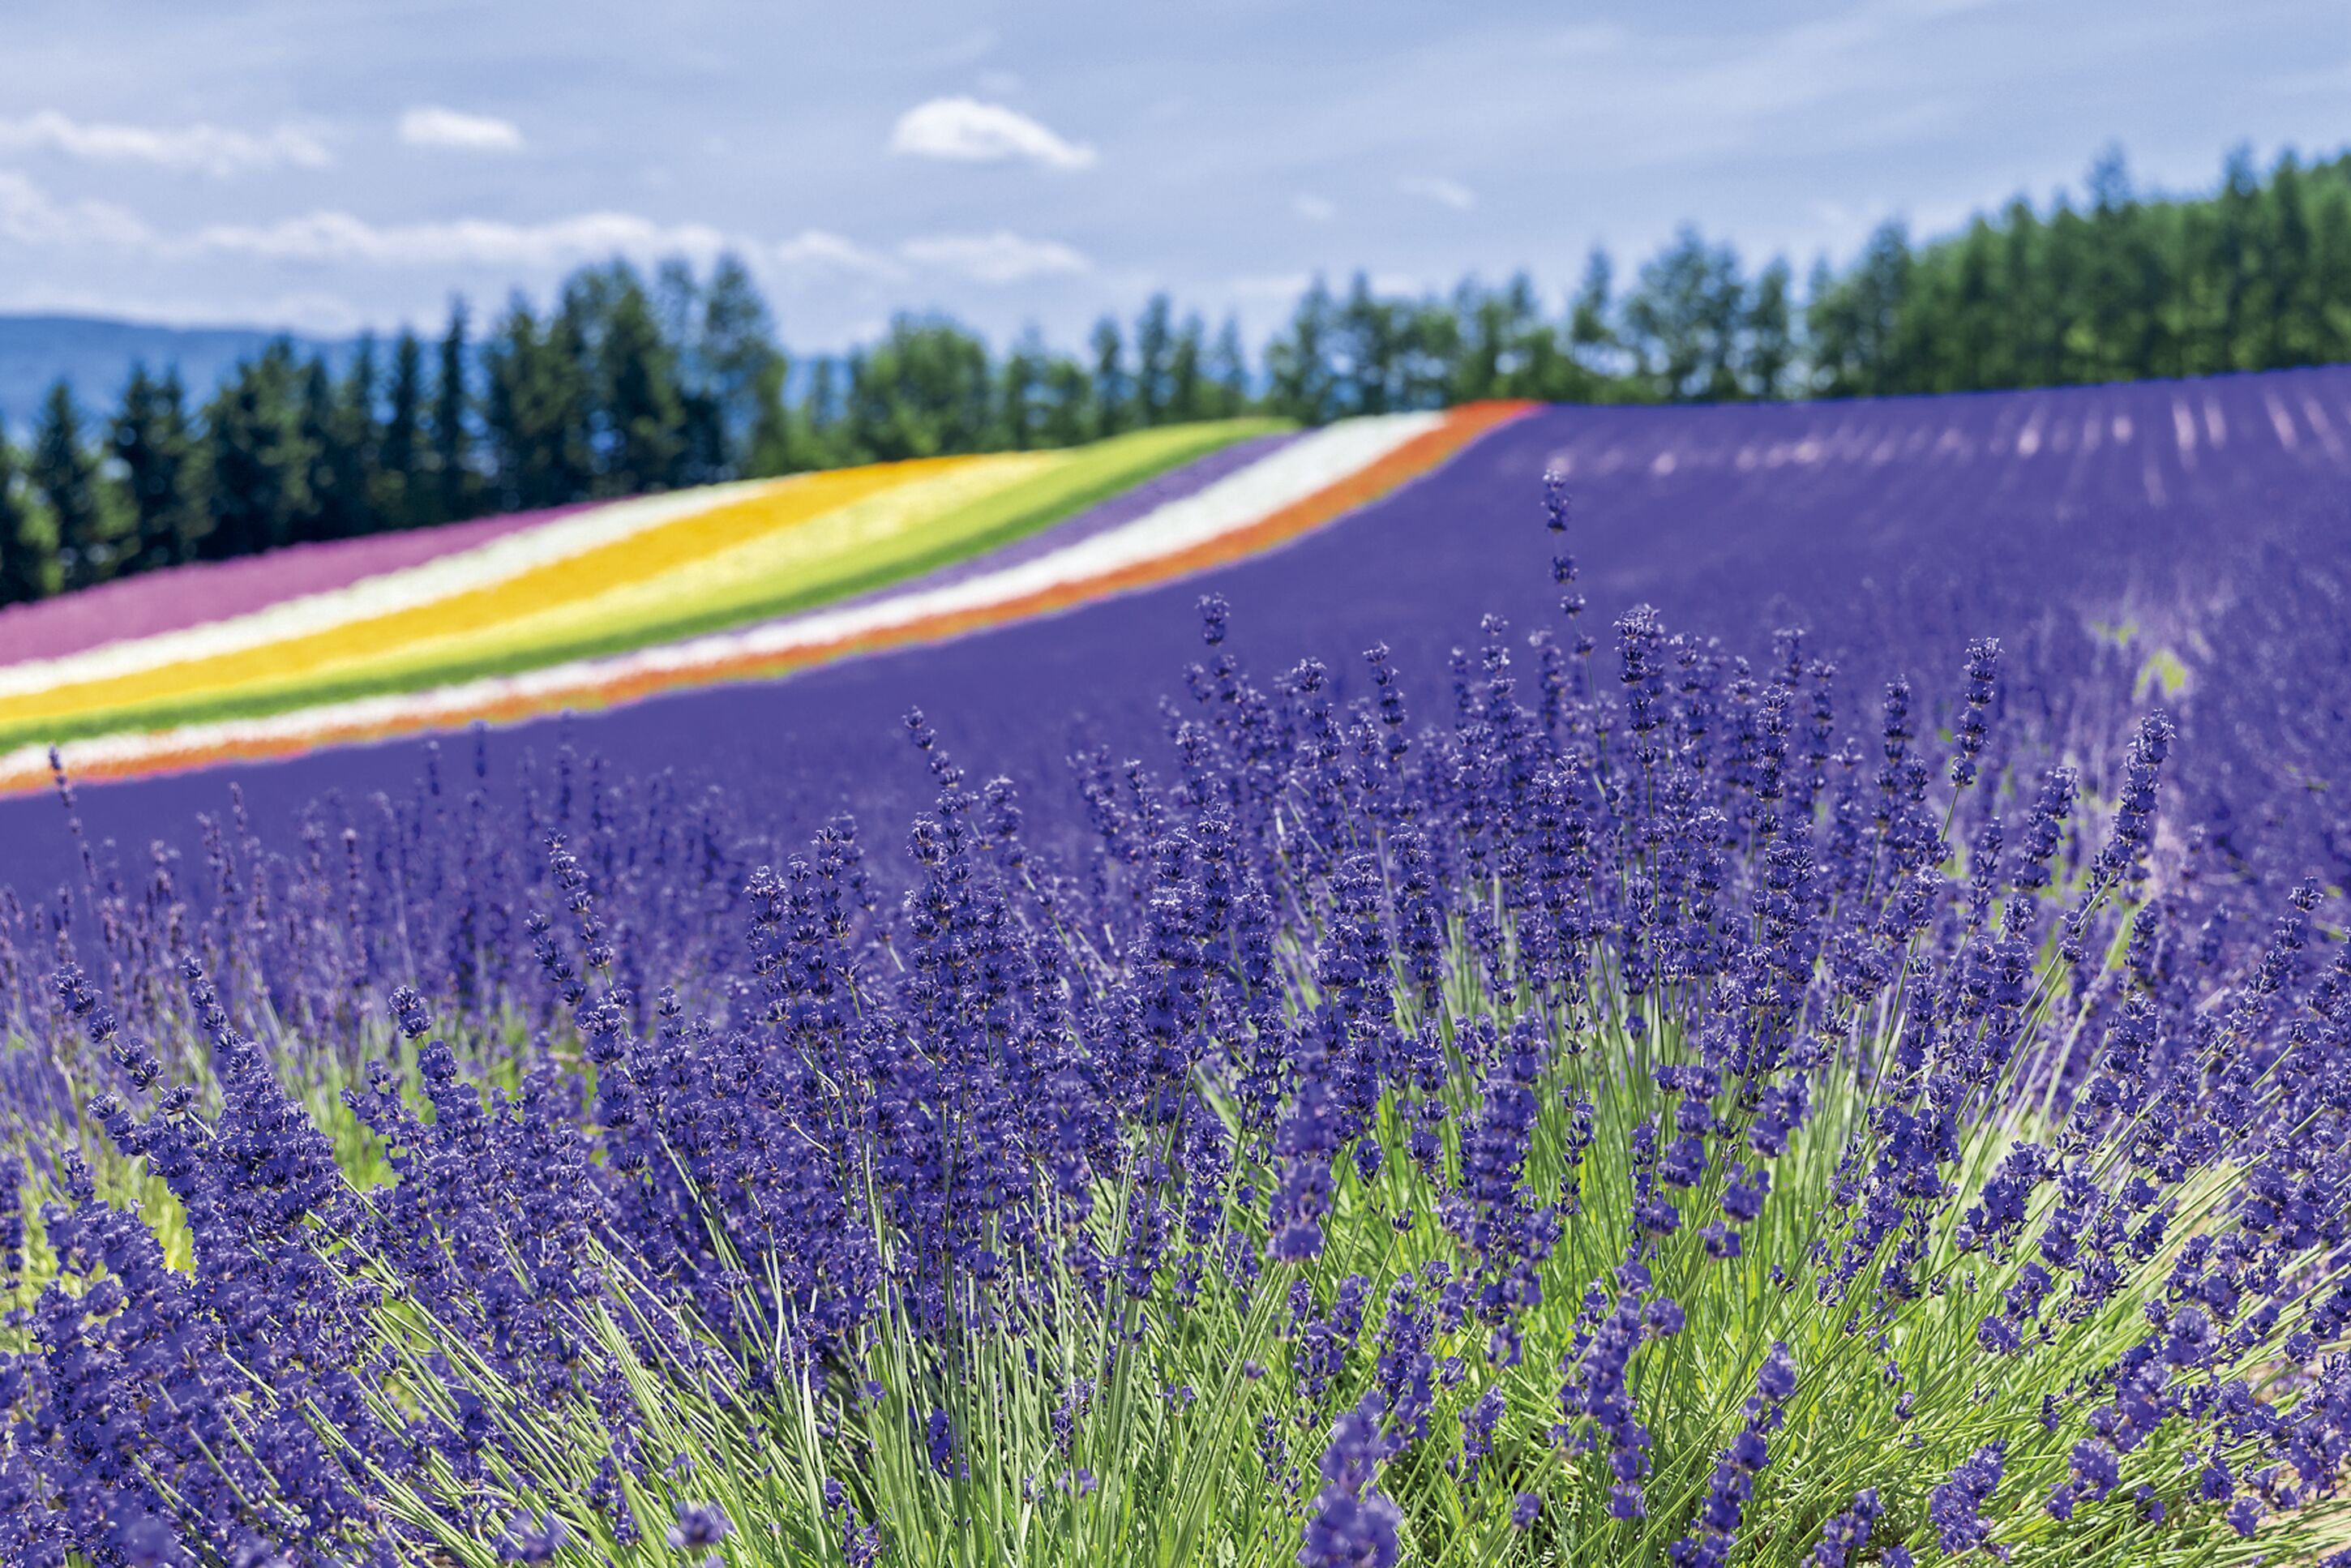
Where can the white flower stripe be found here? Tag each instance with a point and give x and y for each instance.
(1281, 479)
(388, 593)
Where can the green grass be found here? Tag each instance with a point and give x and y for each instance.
(1183, 1481)
(2164, 672)
(1180, 1481)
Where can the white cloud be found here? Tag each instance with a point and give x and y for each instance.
(999, 258)
(430, 125)
(819, 248)
(30, 216)
(967, 130)
(316, 314)
(1449, 193)
(203, 149)
(329, 236)
(1315, 209)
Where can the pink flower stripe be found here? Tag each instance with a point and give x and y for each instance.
(189, 596)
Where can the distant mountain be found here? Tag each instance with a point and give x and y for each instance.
(95, 355)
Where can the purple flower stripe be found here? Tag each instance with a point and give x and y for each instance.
(1896, 531)
(1175, 485)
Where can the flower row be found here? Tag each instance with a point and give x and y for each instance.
(1297, 486)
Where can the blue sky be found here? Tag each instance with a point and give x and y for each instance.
(330, 166)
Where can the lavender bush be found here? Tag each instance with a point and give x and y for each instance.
(1669, 1108)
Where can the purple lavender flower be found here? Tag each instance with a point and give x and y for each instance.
(536, 1539)
(149, 1542)
(1848, 1533)
(1285, 968)
(1955, 1505)
(1477, 1423)
(861, 1543)
(1352, 1526)
(2095, 1469)
(1733, 1484)
(939, 1446)
(1983, 658)
(2134, 825)
(699, 1527)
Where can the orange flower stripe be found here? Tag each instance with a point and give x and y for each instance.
(210, 746)
(795, 505)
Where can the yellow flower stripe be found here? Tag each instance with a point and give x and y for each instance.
(837, 541)
(872, 542)
(1319, 479)
(776, 510)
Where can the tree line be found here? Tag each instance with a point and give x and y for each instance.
(624, 384)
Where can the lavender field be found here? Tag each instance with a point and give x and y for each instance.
(1700, 986)
(2187, 534)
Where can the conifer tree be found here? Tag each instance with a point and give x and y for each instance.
(255, 472)
(536, 410)
(740, 364)
(401, 497)
(1770, 342)
(359, 442)
(1154, 348)
(1187, 384)
(65, 471)
(151, 439)
(1113, 388)
(822, 417)
(1302, 383)
(1069, 417)
(455, 484)
(770, 443)
(28, 539)
(1229, 372)
(321, 515)
(643, 417)
(1366, 342)
(1591, 315)
(1022, 392)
